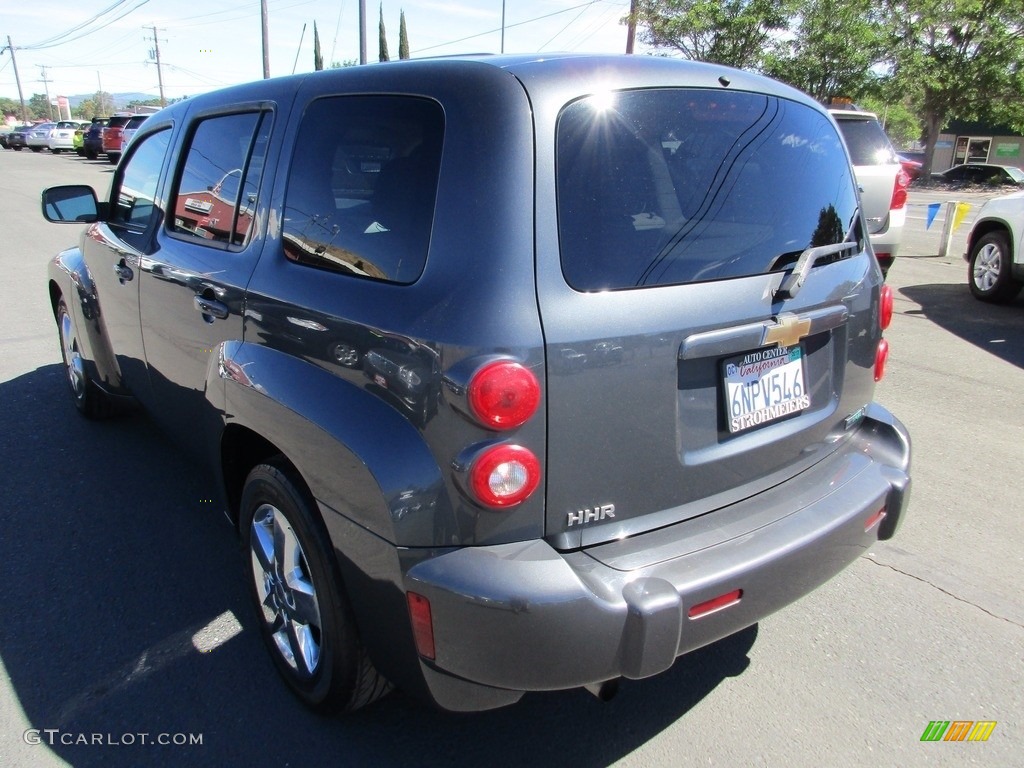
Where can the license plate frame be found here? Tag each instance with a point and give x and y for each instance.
(764, 386)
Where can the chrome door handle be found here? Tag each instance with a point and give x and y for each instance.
(124, 272)
(211, 308)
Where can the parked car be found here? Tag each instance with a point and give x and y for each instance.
(62, 136)
(995, 249)
(39, 137)
(882, 179)
(17, 138)
(349, 293)
(911, 166)
(92, 142)
(112, 136)
(980, 173)
(130, 128)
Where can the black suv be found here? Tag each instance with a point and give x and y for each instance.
(518, 373)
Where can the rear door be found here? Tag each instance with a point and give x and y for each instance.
(679, 379)
(193, 283)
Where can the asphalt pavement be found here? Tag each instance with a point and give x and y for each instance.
(124, 621)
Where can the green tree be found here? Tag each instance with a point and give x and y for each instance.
(39, 107)
(345, 63)
(739, 33)
(900, 122)
(833, 51)
(318, 57)
(383, 41)
(403, 37)
(958, 59)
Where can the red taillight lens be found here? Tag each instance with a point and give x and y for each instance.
(422, 624)
(899, 190)
(885, 307)
(503, 394)
(881, 358)
(504, 475)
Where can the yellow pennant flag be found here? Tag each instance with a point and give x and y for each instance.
(958, 217)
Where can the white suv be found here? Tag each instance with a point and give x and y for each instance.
(882, 181)
(996, 264)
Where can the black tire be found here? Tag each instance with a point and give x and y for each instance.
(54, 150)
(300, 603)
(989, 273)
(36, 149)
(88, 398)
(91, 155)
(17, 149)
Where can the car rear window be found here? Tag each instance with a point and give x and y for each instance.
(362, 185)
(867, 141)
(669, 186)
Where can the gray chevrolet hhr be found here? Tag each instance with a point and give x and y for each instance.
(518, 373)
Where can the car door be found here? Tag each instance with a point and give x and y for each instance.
(194, 283)
(113, 252)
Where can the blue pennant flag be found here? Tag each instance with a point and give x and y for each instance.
(933, 211)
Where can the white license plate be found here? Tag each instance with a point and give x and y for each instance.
(763, 386)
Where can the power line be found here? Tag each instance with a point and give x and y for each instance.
(510, 26)
(64, 38)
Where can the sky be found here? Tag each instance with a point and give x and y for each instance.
(79, 46)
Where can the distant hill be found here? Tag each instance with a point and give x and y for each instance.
(121, 100)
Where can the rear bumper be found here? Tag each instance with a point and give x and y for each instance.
(526, 617)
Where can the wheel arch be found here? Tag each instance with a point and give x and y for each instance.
(987, 227)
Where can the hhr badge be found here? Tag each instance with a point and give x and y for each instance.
(590, 515)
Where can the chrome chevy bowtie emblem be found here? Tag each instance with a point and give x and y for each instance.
(787, 331)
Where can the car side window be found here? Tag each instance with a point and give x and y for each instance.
(134, 208)
(362, 186)
(214, 199)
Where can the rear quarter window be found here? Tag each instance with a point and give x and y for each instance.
(867, 141)
(669, 186)
(362, 186)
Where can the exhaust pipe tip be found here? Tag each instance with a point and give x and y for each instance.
(604, 691)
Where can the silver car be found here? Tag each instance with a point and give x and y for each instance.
(882, 180)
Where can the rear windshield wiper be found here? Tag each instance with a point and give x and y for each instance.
(794, 281)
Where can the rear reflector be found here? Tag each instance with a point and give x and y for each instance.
(715, 604)
(422, 624)
(886, 302)
(881, 358)
(874, 520)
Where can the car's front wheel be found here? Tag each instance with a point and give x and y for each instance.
(990, 272)
(303, 612)
(89, 399)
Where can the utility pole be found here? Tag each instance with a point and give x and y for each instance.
(46, 85)
(631, 28)
(502, 26)
(362, 31)
(266, 40)
(155, 53)
(17, 79)
(99, 83)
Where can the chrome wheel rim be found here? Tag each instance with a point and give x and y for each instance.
(73, 366)
(986, 267)
(285, 588)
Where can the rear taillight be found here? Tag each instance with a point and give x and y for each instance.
(885, 307)
(503, 394)
(899, 190)
(504, 475)
(422, 624)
